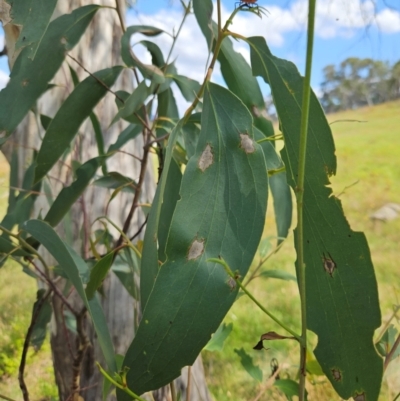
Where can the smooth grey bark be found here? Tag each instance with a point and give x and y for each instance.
(99, 48)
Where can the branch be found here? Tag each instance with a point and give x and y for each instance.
(138, 191)
(391, 352)
(55, 289)
(97, 79)
(82, 344)
(21, 369)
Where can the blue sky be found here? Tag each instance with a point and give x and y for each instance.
(344, 28)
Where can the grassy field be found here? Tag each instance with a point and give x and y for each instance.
(368, 176)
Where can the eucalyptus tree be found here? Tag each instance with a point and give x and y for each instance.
(216, 166)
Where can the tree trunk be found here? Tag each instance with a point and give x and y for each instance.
(99, 48)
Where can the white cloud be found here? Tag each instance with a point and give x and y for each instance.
(388, 21)
(3, 79)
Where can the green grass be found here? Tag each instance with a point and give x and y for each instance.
(368, 157)
(367, 154)
(17, 295)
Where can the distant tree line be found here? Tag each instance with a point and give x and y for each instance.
(359, 82)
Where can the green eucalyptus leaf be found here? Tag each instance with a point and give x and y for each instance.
(26, 85)
(151, 72)
(134, 101)
(218, 338)
(157, 57)
(188, 87)
(42, 320)
(290, 388)
(98, 274)
(168, 207)
(130, 132)
(76, 108)
(75, 268)
(115, 180)
(126, 266)
(247, 362)
(279, 274)
(34, 17)
(221, 212)
(69, 195)
(340, 279)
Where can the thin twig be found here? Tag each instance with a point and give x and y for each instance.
(54, 288)
(136, 196)
(81, 390)
(261, 263)
(140, 229)
(268, 384)
(391, 352)
(86, 228)
(21, 369)
(386, 325)
(129, 154)
(97, 79)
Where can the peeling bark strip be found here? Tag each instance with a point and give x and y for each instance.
(206, 159)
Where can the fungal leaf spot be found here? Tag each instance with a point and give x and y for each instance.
(329, 264)
(337, 375)
(246, 143)
(359, 397)
(206, 158)
(196, 249)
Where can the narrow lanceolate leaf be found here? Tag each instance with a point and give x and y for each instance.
(221, 213)
(70, 116)
(217, 340)
(240, 80)
(340, 279)
(149, 263)
(69, 195)
(280, 189)
(98, 274)
(247, 362)
(26, 85)
(290, 388)
(74, 267)
(34, 17)
(42, 319)
(149, 71)
(168, 207)
(133, 102)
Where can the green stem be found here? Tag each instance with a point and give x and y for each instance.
(175, 37)
(119, 385)
(221, 36)
(243, 288)
(300, 195)
(27, 246)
